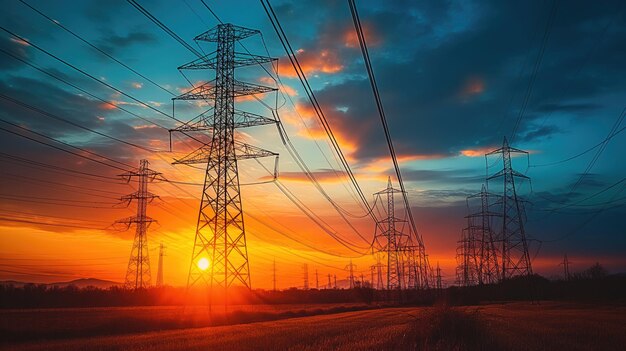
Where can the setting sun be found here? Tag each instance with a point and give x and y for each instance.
(203, 263)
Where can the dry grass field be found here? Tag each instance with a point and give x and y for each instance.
(515, 326)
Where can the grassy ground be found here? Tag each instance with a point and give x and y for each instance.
(518, 326)
(63, 323)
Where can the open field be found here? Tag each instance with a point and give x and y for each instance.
(61, 323)
(515, 326)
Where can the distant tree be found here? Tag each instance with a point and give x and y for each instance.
(596, 271)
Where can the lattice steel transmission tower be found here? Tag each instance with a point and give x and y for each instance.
(305, 276)
(438, 284)
(515, 259)
(565, 264)
(138, 271)
(350, 269)
(467, 270)
(220, 232)
(388, 240)
(159, 280)
(482, 239)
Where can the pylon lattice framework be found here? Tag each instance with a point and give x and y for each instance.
(389, 240)
(220, 233)
(514, 256)
(159, 280)
(477, 256)
(138, 271)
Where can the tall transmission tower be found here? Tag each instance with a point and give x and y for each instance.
(388, 239)
(159, 281)
(515, 259)
(482, 243)
(138, 271)
(329, 286)
(220, 233)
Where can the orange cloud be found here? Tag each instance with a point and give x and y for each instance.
(327, 176)
(473, 86)
(20, 41)
(107, 106)
(479, 152)
(351, 40)
(383, 164)
(326, 61)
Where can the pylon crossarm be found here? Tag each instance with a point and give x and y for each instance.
(139, 195)
(201, 155)
(247, 151)
(237, 32)
(518, 174)
(209, 61)
(205, 91)
(499, 174)
(245, 119)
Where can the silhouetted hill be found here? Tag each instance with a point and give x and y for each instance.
(80, 283)
(85, 282)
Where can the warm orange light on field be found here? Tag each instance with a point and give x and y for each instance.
(203, 263)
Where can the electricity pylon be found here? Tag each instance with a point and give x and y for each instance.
(482, 244)
(377, 276)
(220, 233)
(138, 271)
(466, 271)
(515, 259)
(305, 275)
(388, 239)
(565, 264)
(438, 284)
(159, 280)
(350, 269)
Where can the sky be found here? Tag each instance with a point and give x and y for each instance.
(454, 77)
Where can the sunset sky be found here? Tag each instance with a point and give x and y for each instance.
(453, 77)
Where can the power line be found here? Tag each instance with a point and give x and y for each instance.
(583, 152)
(57, 23)
(164, 27)
(59, 148)
(533, 76)
(50, 115)
(383, 117)
(311, 96)
(56, 168)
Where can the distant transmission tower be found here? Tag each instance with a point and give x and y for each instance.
(220, 234)
(466, 271)
(274, 274)
(482, 239)
(515, 260)
(350, 269)
(317, 280)
(305, 270)
(138, 272)
(159, 281)
(438, 276)
(388, 239)
(565, 264)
